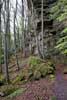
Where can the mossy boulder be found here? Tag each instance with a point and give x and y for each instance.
(43, 71)
(37, 68)
(37, 75)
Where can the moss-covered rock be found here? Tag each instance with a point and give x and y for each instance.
(36, 75)
(43, 71)
(34, 61)
(36, 69)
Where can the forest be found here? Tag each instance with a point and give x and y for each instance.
(33, 49)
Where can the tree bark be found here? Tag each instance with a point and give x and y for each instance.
(23, 34)
(42, 29)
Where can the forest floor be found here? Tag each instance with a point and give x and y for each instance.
(43, 89)
(36, 90)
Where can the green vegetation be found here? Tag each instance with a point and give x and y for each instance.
(40, 33)
(7, 89)
(34, 61)
(15, 93)
(59, 15)
(36, 75)
(18, 79)
(52, 76)
(36, 69)
(10, 91)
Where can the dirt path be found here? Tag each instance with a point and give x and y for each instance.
(60, 85)
(37, 90)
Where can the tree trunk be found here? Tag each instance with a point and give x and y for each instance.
(15, 42)
(23, 34)
(0, 38)
(5, 44)
(42, 29)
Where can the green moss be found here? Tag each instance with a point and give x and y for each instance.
(34, 61)
(43, 71)
(51, 77)
(36, 69)
(18, 79)
(16, 92)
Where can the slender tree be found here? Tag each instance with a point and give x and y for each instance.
(5, 42)
(42, 28)
(23, 34)
(15, 13)
(0, 37)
